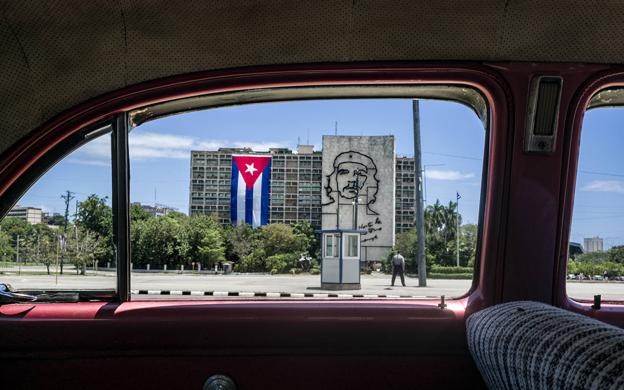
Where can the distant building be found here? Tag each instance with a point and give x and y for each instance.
(32, 215)
(405, 196)
(593, 244)
(295, 184)
(574, 249)
(158, 210)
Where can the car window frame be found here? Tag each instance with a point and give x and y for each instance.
(480, 79)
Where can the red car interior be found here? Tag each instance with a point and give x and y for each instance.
(72, 68)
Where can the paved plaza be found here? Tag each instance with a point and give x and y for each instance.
(374, 284)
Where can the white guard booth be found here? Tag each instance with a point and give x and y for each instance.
(340, 259)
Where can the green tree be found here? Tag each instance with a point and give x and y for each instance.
(593, 257)
(84, 248)
(48, 244)
(14, 228)
(468, 244)
(281, 263)
(304, 233)
(239, 241)
(279, 238)
(441, 229)
(201, 239)
(138, 214)
(6, 251)
(406, 244)
(56, 220)
(39, 246)
(96, 216)
(616, 254)
(253, 262)
(157, 241)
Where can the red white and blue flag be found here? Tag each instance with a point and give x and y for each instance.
(251, 176)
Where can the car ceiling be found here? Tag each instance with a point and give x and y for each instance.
(56, 54)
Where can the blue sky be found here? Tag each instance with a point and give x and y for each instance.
(598, 203)
(452, 135)
(452, 142)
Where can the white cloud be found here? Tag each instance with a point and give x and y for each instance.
(448, 175)
(99, 147)
(146, 145)
(605, 186)
(84, 161)
(260, 147)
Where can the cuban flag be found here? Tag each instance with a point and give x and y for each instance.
(249, 197)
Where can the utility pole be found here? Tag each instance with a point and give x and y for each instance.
(69, 195)
(19, 265)
(457, 228)
(420, 212)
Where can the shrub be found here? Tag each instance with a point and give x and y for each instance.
(253, 262)
(438, 269)
(434, 275)
(281, 263)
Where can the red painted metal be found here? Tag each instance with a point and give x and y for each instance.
(327, 343)
(483, 78)
(613, 77)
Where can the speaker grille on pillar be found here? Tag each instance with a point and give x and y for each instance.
(543, 111)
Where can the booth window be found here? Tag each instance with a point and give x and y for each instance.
(331, 245)
(352, 243)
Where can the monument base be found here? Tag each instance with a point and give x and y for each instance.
(341, 286)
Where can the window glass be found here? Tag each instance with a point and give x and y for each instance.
(352, 245)
(234, 200)
(59, 234)
(596, 248)
(330, 245)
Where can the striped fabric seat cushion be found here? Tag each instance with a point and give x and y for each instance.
(530, 345)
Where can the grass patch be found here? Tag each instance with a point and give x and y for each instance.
(438, 269)
(456, 276)
(15, 264)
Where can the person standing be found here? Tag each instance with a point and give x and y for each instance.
(398, 267)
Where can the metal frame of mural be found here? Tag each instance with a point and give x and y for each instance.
(364, 170)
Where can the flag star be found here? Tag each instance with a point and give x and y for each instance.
(251, 169)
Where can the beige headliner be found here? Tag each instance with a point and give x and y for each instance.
(55, 54)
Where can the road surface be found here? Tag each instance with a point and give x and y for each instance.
(375, 284)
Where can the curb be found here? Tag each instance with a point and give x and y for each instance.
(247, 294)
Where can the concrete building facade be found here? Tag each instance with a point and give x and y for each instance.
(300, 192)
(158, 210)
(593, 244)
(31, 215)
(295, 184)
(405, 194)
(359, 190)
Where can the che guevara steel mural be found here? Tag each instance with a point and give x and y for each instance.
(353, 181)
